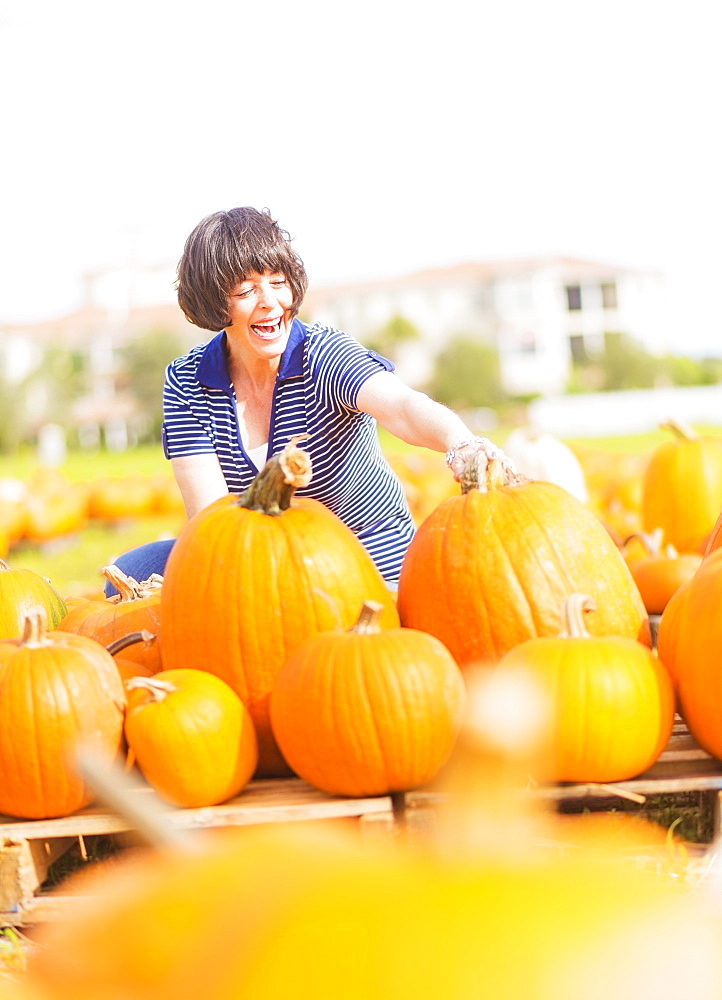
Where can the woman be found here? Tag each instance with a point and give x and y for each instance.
(232, 403)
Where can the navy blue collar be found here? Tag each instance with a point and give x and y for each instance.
(213, 366)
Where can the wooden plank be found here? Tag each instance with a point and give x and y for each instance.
(273, 800)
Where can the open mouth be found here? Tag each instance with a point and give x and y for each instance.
(270, 330)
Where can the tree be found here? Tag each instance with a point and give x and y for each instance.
(390, 337)
(144, 361)
(467, 375)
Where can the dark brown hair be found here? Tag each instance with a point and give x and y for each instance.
(222, 251)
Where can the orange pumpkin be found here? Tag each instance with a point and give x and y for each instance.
(661, 572)
(191, 736)
(612, 701)
(136, 609)
(689, 643)
(682, 487)
(56, 689)
(714, 539)
(492, 567)
(21, 590)
(368, 711)
(251, 577)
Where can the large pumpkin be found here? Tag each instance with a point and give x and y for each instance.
(252, 576)
(368, 711)
(689, 643)
(492, 567)
(291, 910)
(682, 487)
(612, 701)
(21, 590)
(191, 736)
(56, 689)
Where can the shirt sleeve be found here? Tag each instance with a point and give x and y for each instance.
(342, 365)
(183, 431)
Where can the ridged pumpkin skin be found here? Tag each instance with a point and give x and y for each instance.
(191, 735)
(689, 644)
(488, 570)
(56, 689)
(368, 711)
(20, 591)
(136, 609)
(682, 488)
(612, 700)
(242, 589)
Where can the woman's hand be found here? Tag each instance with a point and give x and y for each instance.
(459, 454)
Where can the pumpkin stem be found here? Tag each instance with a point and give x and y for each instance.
(3, 565)
(283, 474)
(651, 541)
(35, 627)
(367, 622)
(157, 689)
(128, 588)
(130, 640)
(572, 623)
(679, 428)
(485, 474)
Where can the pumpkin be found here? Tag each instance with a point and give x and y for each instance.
(301, 910)
(136, 608)
(539, 455)
(368, 711)
(612, 700)
(491, 568)
(689, 643)
(128, 668)
(252, 576)
(714, 539)
(682, 487)
(56, 689)
(21, 590)
(191, 736)
(660, 572)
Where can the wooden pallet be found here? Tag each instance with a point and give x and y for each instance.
(28, 847)
(682, 767)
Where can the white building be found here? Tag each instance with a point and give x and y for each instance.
(541, 314)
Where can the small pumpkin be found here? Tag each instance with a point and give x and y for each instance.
(661, 571)
(136, 608)
(56, 689)
(612, 700)
(368, 711)
(191, 736)
(491, 568)
(21, 590)
(682, 487)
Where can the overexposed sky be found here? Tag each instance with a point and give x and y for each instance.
(386, 136)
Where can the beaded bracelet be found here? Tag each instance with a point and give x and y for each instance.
(451, 453)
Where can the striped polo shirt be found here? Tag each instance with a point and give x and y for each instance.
(319, 376)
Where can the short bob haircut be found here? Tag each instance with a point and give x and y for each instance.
(223, 250)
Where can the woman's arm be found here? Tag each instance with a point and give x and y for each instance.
(419, 420)
(200, 480)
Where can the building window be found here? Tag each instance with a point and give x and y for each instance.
(574, 297)
(609, 295)
(578, 349)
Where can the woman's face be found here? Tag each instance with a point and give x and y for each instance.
(260, 310)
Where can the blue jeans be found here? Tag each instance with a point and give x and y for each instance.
(142, 562)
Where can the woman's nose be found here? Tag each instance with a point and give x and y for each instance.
(268, 296)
